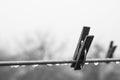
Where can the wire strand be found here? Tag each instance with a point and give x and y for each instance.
(40, 62)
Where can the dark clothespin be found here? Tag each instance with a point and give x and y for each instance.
(82, 49)
(81, 58)
(111, 50)
(85, 32)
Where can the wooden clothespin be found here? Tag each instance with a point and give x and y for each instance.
(85, 32)
(111, 50)
(83, 53)
(82, 49)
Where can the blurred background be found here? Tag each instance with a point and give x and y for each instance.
(50, 29)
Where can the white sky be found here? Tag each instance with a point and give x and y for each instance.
(63, 18)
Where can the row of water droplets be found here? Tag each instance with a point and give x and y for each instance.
(50, 65)
(37, 65)
(97, 63)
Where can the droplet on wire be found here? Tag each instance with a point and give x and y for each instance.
(34, 66)
(49, 64)
(66, 64)
(14, 66)
(86, 63)
(57, 64)
(117, 62)
(96, 63)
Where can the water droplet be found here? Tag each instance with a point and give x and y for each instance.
(34, 66)
(57, 64)
(96, 63)
(15, 66)
(86, 63)
(117, 62)
(64, 64)
(49, 64)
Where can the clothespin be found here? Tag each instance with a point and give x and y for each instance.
(80, 61)
(82, 49)
(111, 50)
(85, 32)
